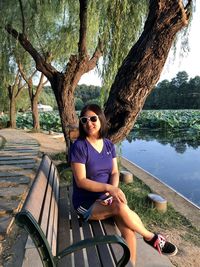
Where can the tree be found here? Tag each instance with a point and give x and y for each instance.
(142, 67)
(14, 91)
(34, 93)
(135, 79)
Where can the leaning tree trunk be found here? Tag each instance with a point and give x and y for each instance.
(142, 67)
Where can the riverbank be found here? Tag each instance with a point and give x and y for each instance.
(179, 203)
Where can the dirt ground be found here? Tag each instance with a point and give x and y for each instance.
(50, 143)
(188, 255)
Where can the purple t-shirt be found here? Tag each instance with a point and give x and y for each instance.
(98, 168)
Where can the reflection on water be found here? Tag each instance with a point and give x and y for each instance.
(172, 157)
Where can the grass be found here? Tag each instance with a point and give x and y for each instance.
(59, 156)
(136, 194)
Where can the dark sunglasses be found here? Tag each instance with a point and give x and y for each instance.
(84, 120)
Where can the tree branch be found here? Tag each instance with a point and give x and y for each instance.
(83, 28)
(26, 79)
(23, 19)
(97, 54)
(185, 18)
(40, 85)
(47, 69)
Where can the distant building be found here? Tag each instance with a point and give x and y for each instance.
(44, 107)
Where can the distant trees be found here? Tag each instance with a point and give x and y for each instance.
(179, 93)
(87, 94)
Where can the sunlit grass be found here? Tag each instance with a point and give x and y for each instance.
(137, 196)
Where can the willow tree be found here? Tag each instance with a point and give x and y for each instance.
(16, 65)
(136, 75)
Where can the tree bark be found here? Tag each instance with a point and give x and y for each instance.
(12, 123)
(13, 92)
(142, 67)
(35, 114)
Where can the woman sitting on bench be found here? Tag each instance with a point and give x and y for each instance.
(96, 195)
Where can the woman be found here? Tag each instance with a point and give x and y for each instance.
(95, 176)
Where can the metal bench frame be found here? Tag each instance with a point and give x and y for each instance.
(49, 218)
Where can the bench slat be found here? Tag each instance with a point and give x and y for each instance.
(34, 200)
(103, 250)
(53, 216)
(64, 227)
(45, 215)
(76, 235)
(55, 223)
(92, 253)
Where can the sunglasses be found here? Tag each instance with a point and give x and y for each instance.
(84, 120)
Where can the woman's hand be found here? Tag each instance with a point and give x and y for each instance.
(117, 194)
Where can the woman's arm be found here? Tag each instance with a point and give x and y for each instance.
(79, 172)
(114, 179)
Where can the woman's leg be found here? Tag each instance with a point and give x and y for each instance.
(130, 222)
(119, 210)
(130, 238)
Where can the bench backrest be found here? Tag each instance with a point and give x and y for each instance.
(39, 214)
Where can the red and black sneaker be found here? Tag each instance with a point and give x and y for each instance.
(162, 245)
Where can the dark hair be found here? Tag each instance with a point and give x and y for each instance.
(97, 110)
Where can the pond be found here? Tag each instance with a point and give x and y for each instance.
(174, 158)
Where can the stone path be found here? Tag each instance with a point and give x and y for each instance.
(18, 161)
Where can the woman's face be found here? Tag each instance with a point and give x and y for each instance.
(91, 123)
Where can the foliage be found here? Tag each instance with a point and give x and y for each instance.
(78, 103)
(48, 98)
(53, 29)
(48, 121)
(87, 92)
(123, 24)
(3, 121)
(169, 119)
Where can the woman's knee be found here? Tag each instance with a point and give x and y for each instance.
(119, 208)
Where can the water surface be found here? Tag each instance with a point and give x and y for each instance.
(175, 162)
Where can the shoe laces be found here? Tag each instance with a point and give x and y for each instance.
(160, 243)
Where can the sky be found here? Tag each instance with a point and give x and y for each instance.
(190, 62)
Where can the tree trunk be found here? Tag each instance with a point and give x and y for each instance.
(64, 93)
(35, 114)
(12, 123)
(142, 67)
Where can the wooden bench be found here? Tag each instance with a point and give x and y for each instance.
(60, 236)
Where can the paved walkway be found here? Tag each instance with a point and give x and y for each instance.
(18, 162)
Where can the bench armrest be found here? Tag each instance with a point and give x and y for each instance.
(97, 241)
